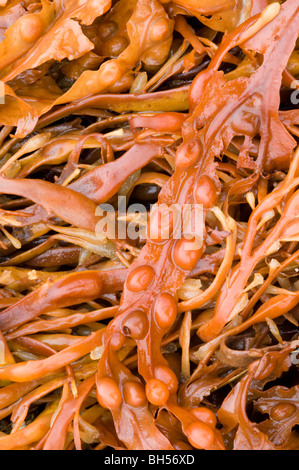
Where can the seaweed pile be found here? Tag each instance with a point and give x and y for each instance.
(120, 327)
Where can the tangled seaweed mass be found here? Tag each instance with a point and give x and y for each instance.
(149, 340)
